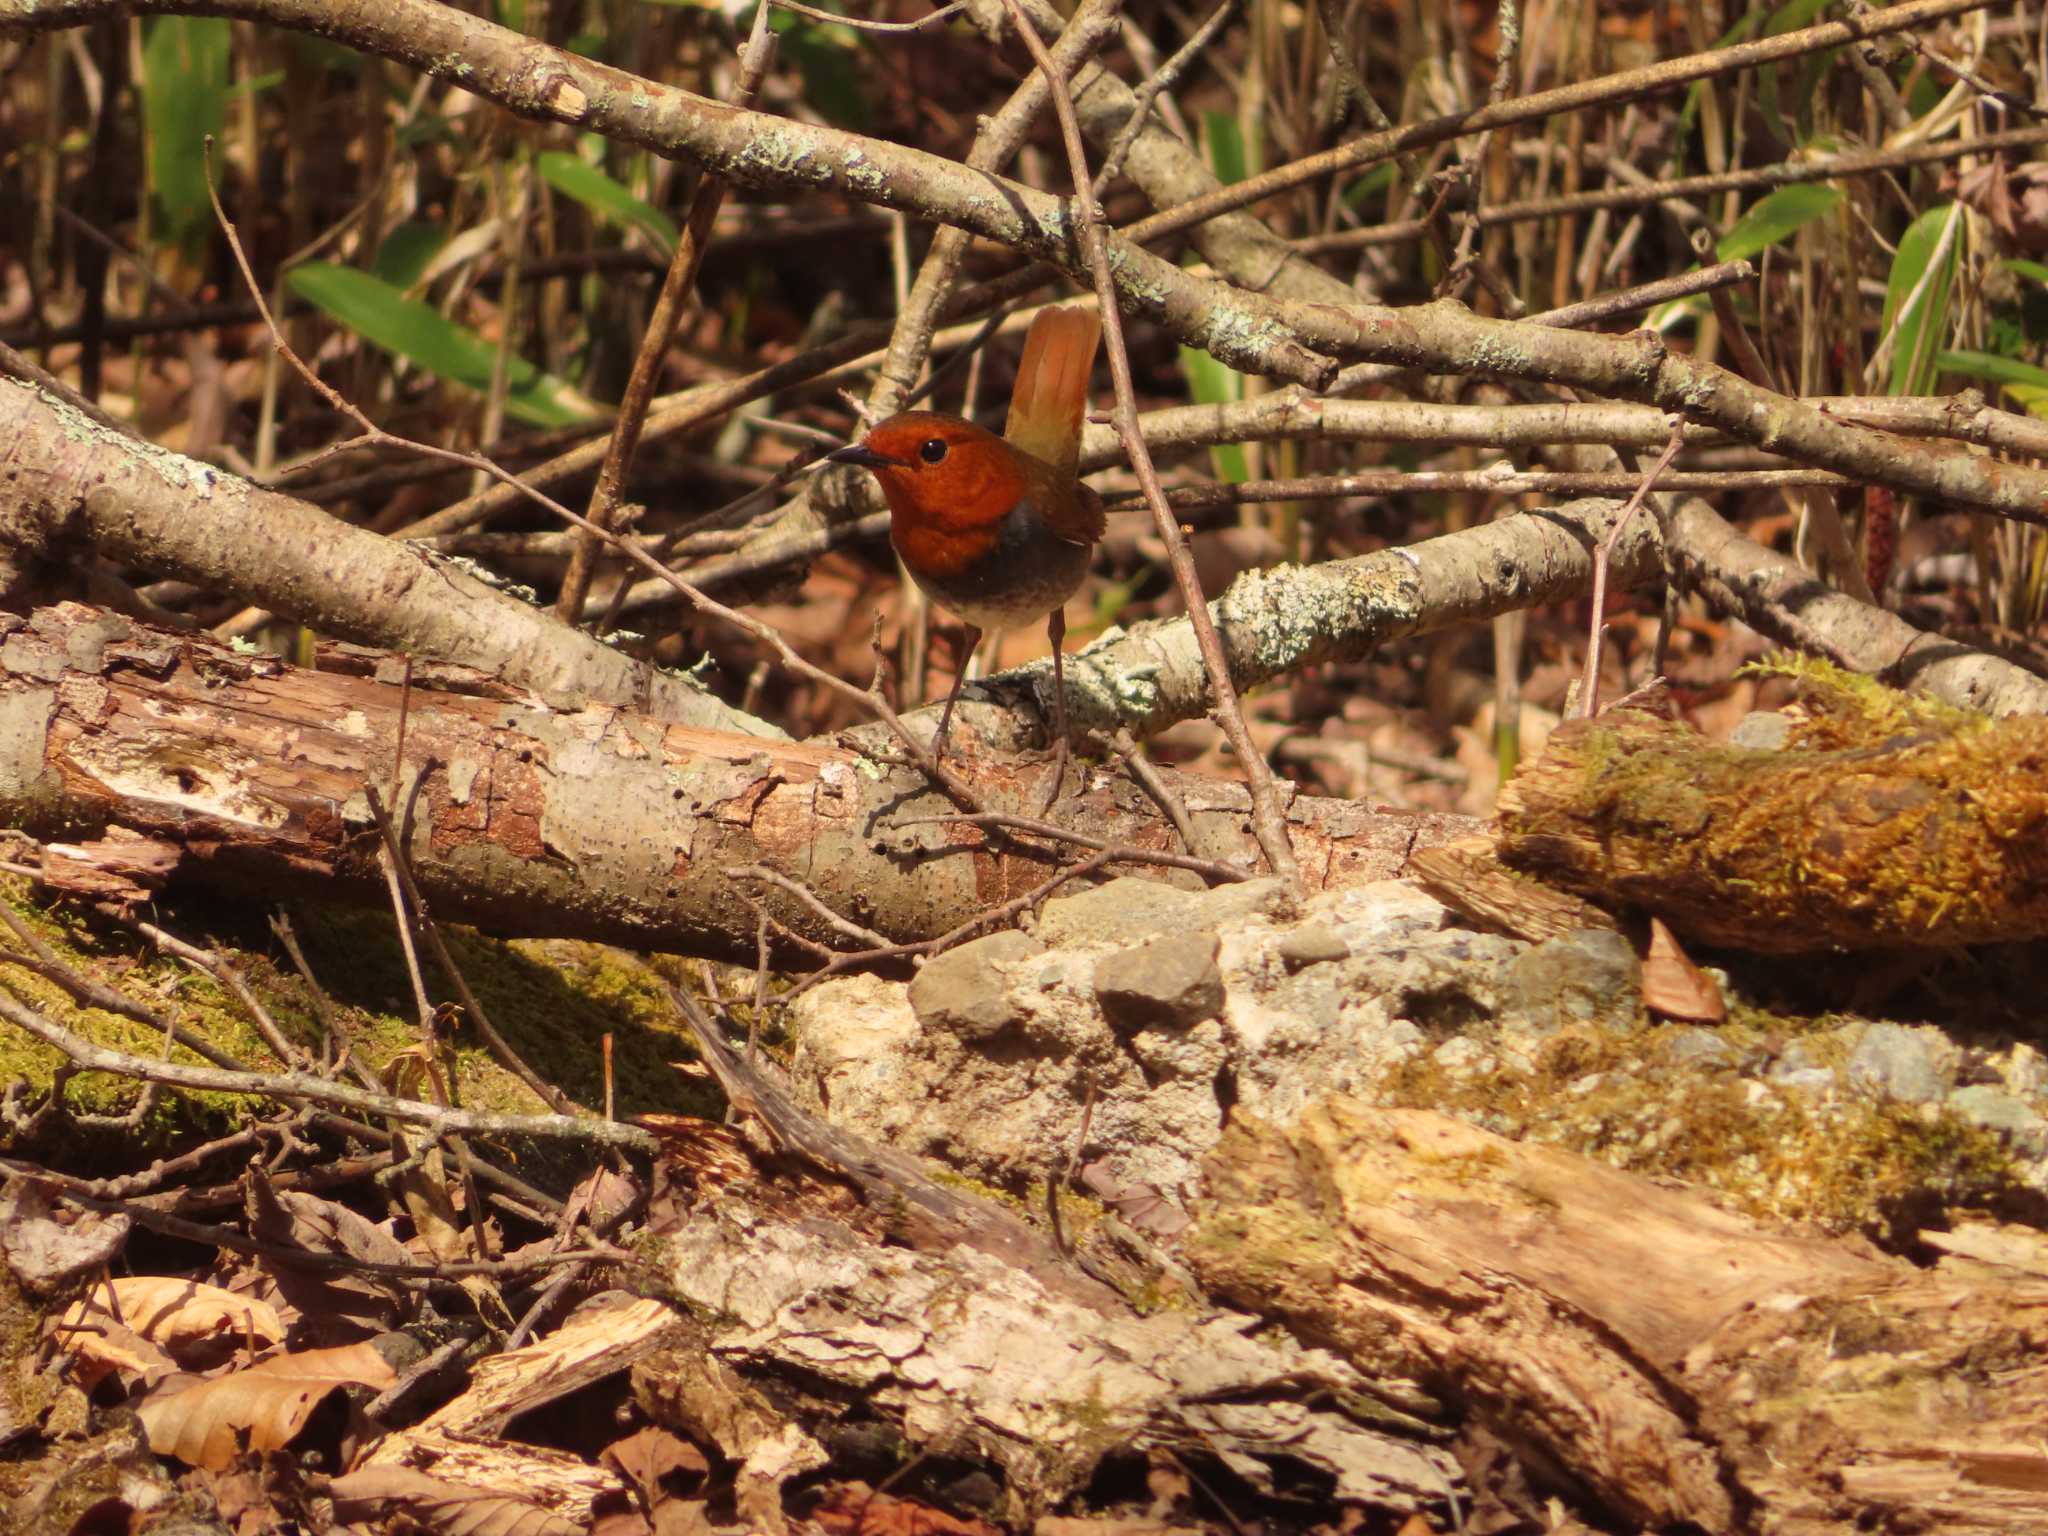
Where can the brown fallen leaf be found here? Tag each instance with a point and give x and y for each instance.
(854, 1509)
(179, 1320)
(648, 1456)
(377, 1493)
(269, 1402)
(358, 1302)
(1674, 986)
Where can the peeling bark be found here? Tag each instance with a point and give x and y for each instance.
(148, 755)
(1679, 1363)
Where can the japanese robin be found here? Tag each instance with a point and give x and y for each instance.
(999, 530)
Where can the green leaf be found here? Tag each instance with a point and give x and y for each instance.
(1912, 372)
(1775, 216)
(256, 85)
(406, 251)
(1223, 147)
(2032, 269)
(1214, 383)
(606, 198)
(2027, 384)
(418, 332)
(1373, 183)
(2000, 370)
(1790, 18)
(184, 100)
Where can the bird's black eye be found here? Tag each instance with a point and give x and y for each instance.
(932, 449)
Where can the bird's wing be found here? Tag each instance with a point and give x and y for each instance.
(1051, 396)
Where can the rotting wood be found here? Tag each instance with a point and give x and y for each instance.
(1909, 831)
(1678, 1363)
(810, 1316)
(146, 755)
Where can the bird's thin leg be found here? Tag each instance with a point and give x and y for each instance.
(959, 677)
(1056, 630)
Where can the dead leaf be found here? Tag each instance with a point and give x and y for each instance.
(1674, 986)
(48, 1240)
(376, 1493)
(854, 1509)
(269, 1402)
(101, 1347)
(181, 1318)
(286, 1219)
(1142, 1205)
(649, 1456)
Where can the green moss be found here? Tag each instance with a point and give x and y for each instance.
(1849, 1165)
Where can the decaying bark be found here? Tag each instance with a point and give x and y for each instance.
(968, 1356)
(1679, 1363)
(1928, 837)
(153, 755)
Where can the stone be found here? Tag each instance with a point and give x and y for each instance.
(2007, 1113)
(1761, 730)
(1592, 976)
(1313, 945)
(1896, 1061)
(1172, 982)
(1698, 1047)
(965, 991)
(1130, 910)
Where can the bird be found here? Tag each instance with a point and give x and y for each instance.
(999, 531)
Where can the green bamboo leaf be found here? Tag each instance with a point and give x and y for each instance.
(1223, 144)
(406, 251)
(2000, 370)
(421, 334)
(1911, 372)
(2027, 384)
(1775, 216)
(1214, 383)
(604, 197)
(2030, 269)
(184, 100)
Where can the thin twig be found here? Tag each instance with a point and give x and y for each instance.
(931, 23)
(1603, 554)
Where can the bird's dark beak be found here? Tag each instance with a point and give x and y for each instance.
(861, 454)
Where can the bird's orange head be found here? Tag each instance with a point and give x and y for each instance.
(943, 475)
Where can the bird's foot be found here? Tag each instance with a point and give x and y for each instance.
(1060, 754)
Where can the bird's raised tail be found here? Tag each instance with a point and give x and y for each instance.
(1051, 396)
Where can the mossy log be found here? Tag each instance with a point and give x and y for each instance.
(1929, 837)
(1683, 1367)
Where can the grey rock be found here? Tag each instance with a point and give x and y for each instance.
(1895, 1061)
(1801, 1057)
(1996, 1110)
(1172, 982)
(963, 993)
(1762, 730)
(1313, 945)
(1592, 976)
(1702, 1048)
(1131, 910)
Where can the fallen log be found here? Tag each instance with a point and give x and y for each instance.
(1886, 822)
(1679, 1365)
(144, 756)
